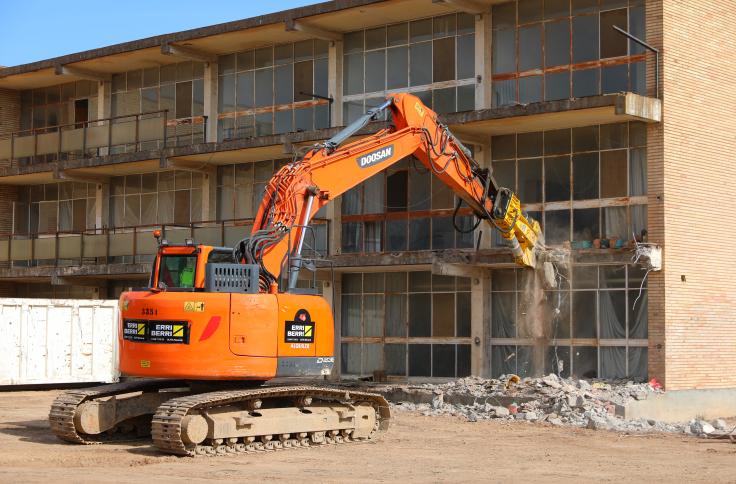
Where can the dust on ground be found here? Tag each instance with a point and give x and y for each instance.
(416, 448)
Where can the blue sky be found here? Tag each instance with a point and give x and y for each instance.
(34, 30)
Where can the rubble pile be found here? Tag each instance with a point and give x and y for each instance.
(595, 405)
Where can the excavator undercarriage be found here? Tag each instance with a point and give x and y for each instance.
(218, 422)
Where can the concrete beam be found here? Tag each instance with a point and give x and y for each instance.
(60, 70)
(467, 6)
(57, 280)
(292, 25)
(188, 53)
(647, 109)
(458, 270)
(83, 178)
(187, 165)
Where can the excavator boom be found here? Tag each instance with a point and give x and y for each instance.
(329, 169)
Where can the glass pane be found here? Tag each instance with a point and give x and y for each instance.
(584, 310)
(614, 224)
(557, 179)
(443, 59)
(350, 315)
(226, 93)
(396, 316)
(637, 171)
(284, 84)
(419, 234)
(504, 92)
(585, 83)
(420, 360)
(465, 57)
(615, 79)
(397, 34)
(530, 11)
(264, 88)
(557, 86)
(420, 61)
(420, 30)
(557, 43)
(530, 180)
(504, 51)
(530, 48)
(394, 356)
(184, 99)
(443, 361)
(375, 71)
(530, 89)
(585, 176)
(613, 362)
(398, 74)
(420, 315)
(353, 74)
(503, 315)
(638, 363)
(245, 86)
(585, 38)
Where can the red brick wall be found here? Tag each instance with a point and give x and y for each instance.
(698, 188)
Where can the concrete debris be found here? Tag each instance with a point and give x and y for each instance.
(701, 428)
(721, 424)
(559, 401)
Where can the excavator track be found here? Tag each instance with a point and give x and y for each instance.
(64, 410)
(241, 411)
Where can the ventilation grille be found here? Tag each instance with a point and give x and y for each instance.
(231, 278)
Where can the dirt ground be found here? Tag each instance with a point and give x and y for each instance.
(416, 448)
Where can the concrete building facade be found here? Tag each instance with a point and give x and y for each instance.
(182, 131)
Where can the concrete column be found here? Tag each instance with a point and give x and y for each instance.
(104, 100)
(483, 157)
(483, 36)
(210, 101)
(332, 294)
(209, 194)
(102, 192)
(334, 80)
(480, 326)
(334, 235)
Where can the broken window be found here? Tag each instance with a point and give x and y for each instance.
(585, 361)
(613, 44)
(613, 174)
(613, 362)
(557, 178)
(584, 311)
(556, 226)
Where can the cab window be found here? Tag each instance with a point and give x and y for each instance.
(177, 271)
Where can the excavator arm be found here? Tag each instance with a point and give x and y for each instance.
(329, 169)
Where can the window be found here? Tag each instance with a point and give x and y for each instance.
(564, 50)
(177, 271)
(411, 57)
(586, 186)
(54, 207)
(176, 88)
(405, 324)
(404, 208)
(171, 197)
(599, 328)
(269, 90)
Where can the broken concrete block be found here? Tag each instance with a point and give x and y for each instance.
(701, 427)
(501, 411)
(584, 385)
(552, 380)
(531, 416)
(555, 421)
(595, 423)
(721, 424)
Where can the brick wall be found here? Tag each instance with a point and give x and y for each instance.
(9, 122)
(655, 207)
(698, 186)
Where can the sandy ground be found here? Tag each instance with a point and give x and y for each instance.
(416, 448)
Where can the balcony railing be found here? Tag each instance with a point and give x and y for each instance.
(124, 244)
(134, 132)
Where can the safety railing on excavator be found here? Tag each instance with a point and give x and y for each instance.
(132, 132)
(133, 244)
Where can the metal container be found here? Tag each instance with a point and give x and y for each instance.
(57, 341)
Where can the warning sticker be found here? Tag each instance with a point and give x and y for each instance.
(301, 330)
(298, 332)
(156, 331)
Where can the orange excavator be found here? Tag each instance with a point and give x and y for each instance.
(215, 323)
